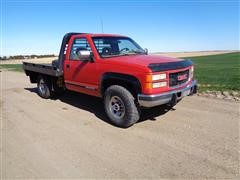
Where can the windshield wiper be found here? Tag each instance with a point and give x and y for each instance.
(132, 52)
(113, 55)
(138, 51)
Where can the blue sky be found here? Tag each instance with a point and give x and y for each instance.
(37, 27)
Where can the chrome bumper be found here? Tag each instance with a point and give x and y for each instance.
(165, 98)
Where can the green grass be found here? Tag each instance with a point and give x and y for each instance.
(12, 67)
(215, 72)
(218, 72)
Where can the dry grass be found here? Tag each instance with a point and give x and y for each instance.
(193, 53)
(19, 61)
(169, 54)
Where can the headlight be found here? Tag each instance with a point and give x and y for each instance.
(156, 77)
(159, 84)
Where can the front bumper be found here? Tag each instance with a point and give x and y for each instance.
(168, 97)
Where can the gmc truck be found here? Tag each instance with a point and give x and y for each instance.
(116, 69)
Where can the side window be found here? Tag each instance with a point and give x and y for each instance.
(100, 45)
(79, 44)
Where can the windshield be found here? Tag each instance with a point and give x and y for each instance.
(116, 46)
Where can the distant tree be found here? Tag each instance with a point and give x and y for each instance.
(32, 56)
(3, 58)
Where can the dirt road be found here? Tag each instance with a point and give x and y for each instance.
(71, 138)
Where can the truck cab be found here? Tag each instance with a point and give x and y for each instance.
(117, 69)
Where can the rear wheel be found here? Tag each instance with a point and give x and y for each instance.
(120, 106)
(44, 88)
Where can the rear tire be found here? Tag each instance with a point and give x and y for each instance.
(120, 106)
(44, 88)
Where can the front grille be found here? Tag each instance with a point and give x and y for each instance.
(174, 79)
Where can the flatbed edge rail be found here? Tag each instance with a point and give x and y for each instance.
(47, 69)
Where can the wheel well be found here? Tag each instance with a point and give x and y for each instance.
(129, 82)
(33, 76)
(56, 83)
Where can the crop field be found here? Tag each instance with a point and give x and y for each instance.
(218, 72)
(214, 72)
(12, 67)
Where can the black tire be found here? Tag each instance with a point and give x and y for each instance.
(44, 88)
(58, 91)
(116, 96)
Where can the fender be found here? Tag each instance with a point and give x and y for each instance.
(119, 78)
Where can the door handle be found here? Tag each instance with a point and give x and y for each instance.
(67, 66)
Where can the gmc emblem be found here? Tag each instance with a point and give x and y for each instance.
(182, 77)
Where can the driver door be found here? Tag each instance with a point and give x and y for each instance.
(80, 75)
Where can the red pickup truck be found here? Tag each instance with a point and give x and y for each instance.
(116, 69)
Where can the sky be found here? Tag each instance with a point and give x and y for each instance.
(37, 27)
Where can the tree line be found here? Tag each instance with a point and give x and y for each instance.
(26, 56)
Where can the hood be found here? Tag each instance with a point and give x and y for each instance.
(151, 62)
(142, 60)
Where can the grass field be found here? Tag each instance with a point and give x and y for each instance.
(214, 72)
(218, 72)
(12, 67)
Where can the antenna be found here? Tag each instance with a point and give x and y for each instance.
(102, 24)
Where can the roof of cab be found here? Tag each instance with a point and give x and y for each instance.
(105, 35)
(97, 35)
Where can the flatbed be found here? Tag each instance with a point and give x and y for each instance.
(47, 69)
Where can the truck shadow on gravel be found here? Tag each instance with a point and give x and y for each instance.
(95, 106)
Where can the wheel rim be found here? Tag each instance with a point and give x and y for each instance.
(117, 107)
(42, 87)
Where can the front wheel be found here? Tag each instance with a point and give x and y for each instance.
(120, 106)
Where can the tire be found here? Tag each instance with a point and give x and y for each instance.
(44, 88)
(58, 91)
(120, 106)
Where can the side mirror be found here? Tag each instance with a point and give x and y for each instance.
(146, 51)
(84, 55)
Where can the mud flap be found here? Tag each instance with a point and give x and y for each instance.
(173, 101)
(194, 90)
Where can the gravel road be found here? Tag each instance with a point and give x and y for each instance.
(70, 137)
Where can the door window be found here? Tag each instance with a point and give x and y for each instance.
(79, 44)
